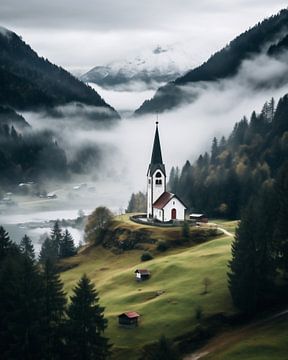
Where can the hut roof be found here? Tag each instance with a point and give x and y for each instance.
(142, 271)
(130, 314)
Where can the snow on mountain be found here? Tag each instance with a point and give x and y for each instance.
(147, 70)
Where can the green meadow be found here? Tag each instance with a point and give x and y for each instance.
(167, 301)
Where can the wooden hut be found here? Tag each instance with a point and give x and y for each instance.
(128, 319)
(142, 274)
(202, 218)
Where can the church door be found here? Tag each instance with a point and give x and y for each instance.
(173, 214)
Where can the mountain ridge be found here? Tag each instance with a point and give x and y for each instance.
(223, 64)
(30, 82)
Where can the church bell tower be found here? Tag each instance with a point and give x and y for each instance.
(156, 175)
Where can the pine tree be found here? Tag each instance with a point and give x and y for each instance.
(48, 251)
(22, 310)
(54, 308)
(27, 248)
(242, 278)
(56, 235)
(280, 235)
(67, 247)
(214, 151)
(5, 243)
(86, 324)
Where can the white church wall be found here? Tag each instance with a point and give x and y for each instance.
(158, 214)
(149, 197)
(159, 185)
(174, 203)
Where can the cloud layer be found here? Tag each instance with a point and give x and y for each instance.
(105, 30)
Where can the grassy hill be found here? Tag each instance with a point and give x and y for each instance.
(178, 273)
(263, 340)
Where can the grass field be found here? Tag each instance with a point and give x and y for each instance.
(263, 342)
(179, 273)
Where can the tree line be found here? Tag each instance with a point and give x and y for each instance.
(222, 182)
(37, 155)
(258, 271)
(36, 322)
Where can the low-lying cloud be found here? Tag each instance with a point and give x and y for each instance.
(185, 132)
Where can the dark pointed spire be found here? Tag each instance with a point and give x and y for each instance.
(156, 157)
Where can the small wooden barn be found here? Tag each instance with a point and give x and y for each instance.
(199, 218)
(128, 319)
(142, 274)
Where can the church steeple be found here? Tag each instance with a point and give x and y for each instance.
(156, 157)
(156, 175)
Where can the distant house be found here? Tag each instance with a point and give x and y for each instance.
(199, 218)
(128, 319)
(51, 196)
(142, 274)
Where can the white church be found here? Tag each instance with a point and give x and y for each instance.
(162, 205)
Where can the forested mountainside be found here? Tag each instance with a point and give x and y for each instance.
(9, 117)
(269, 37)
(30, 82)
(222, 182)
(37, 156)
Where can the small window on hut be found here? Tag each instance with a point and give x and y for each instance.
(158, 174)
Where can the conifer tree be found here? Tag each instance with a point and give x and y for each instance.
(280, 235)
(242, 278)
(56, 235)
(22, 310)
(5, 243)
(67, 247)
(54, 308)
(214, 151)
(48, 251)
(86, 324)
(27, 248)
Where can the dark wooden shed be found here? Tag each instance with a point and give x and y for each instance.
(128, 319)
(202, 218)
(142, 274)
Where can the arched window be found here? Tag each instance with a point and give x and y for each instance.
(158, 178)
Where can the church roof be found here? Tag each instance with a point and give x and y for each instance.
(164, 199)
(156, 158)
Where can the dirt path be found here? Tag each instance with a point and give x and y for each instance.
(220, 228)
(232, 336)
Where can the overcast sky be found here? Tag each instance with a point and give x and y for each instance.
(82, 34)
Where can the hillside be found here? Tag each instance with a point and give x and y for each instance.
(267, 37)
(30, 82)
(261, 340)
(167, 302)
(222, 182)
(9, 117)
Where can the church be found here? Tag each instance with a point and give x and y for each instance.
(162, 205)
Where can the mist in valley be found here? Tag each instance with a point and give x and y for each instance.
(124, 148)
(111, 158)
